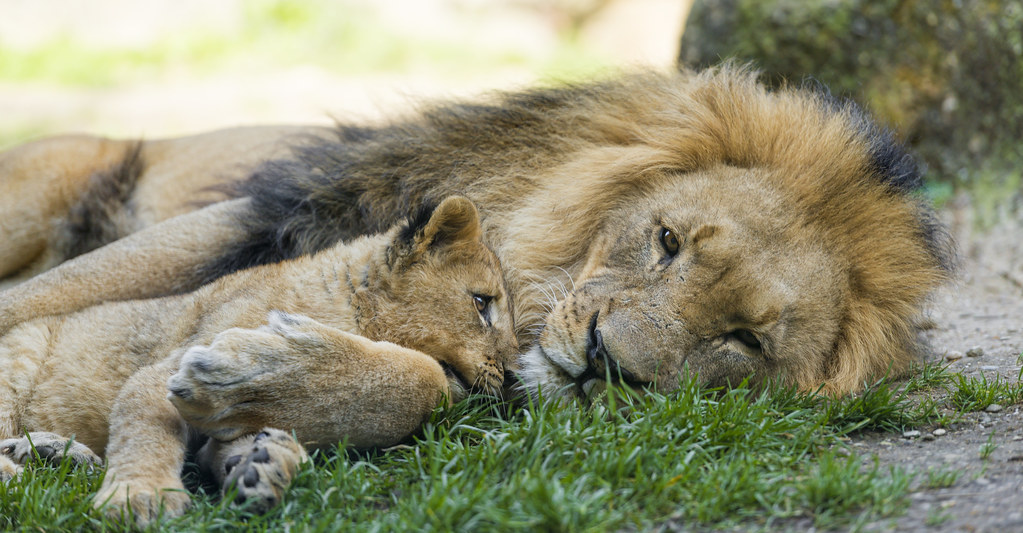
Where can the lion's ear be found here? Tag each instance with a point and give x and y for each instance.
(453, 221)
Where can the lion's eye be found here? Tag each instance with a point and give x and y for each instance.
(481, 301)
(482, 304)
(747, 337)
(670, 241)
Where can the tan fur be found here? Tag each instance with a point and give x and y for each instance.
(43, 180)
(106, 367)
(810, 248)
(40, 181)
(8, 469)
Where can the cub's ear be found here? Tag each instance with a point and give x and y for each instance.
(454, 220)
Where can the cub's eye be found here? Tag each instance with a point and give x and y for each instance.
(747, 337)
(482, 304)
(481, 301)
(670, 241)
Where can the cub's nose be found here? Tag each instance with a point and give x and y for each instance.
(601, 363)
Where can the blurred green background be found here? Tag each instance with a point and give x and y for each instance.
(947, 75)
(167, 67)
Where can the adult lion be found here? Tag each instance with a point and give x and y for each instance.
(650, 224)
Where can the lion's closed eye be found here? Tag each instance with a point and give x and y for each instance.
(747, 338)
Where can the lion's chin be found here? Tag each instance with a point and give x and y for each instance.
(540, 378)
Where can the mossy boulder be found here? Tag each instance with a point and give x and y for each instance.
(947, 75)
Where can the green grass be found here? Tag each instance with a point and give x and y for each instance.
(883, 407)
(941, 478)
(50, 499)
(962, 393)
(711, 459)
(718, 459)
(988, 447)
(968, 393)
(937, 516)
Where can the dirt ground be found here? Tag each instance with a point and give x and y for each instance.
(984, 311)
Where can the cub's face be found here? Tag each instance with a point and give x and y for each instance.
(456, 309)
(713, 275)
(447, 298)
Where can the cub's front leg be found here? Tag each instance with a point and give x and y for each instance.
(297, 374)
(146, 451)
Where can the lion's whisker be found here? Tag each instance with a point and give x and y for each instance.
(569, 276)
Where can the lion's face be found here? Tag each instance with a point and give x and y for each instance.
(713, 275)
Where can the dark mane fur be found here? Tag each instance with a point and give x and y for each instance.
(369, 178)
(416, 222)
(893, 165)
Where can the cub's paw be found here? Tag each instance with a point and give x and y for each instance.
(141, 501)
(263, 470)
(49, 447)
(8, 470)
(213, 381)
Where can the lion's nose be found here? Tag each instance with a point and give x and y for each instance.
(601, 363)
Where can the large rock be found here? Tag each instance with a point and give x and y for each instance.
(948, 76)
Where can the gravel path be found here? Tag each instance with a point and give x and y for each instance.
(978, 331)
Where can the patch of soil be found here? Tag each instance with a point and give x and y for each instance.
(978, 331)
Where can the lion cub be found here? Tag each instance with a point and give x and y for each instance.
(101, 375)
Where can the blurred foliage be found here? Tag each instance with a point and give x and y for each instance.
(946, 74)
(342, 37)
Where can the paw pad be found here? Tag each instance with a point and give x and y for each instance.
(261, 474)
(251, 477)
(261, 456)
(231, 463)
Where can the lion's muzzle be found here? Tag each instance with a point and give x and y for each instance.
(601, 364)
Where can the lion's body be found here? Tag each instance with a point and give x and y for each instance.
(76, 374)
(65, 196)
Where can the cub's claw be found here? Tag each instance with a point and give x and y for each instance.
(261, 473)
(49, 447)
